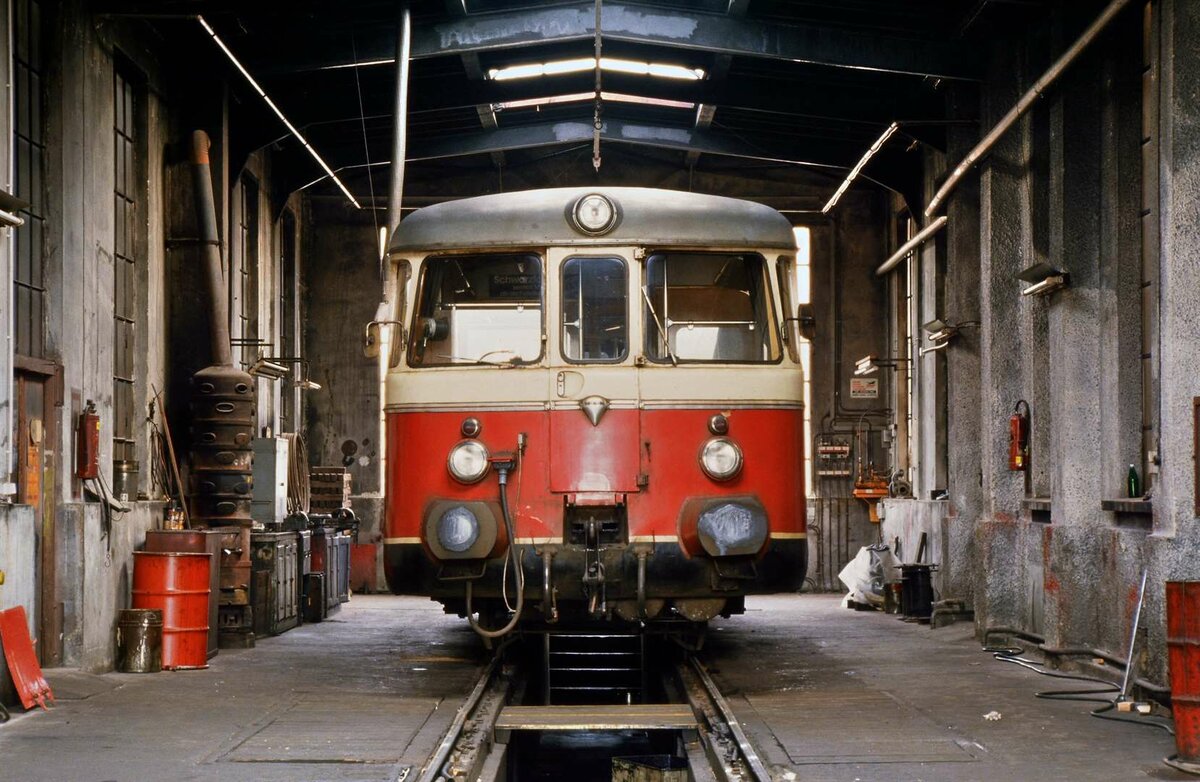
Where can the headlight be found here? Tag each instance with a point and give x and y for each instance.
(733, 529)
(721, 459)
(458, 529)
(468, 461)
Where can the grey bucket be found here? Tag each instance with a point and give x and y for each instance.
(139, 640)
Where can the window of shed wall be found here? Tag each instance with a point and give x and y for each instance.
(126, 260)
(803, 288)
(29, 146)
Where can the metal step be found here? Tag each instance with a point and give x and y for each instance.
(593, 668)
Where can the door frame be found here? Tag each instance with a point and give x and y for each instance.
(49, 374)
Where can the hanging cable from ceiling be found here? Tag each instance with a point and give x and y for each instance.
(596, 124)
(362, 117)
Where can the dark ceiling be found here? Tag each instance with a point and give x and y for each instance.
(806, 85)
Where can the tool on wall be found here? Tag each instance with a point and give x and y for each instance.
(1018, 437)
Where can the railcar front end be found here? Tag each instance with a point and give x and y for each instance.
(596, 410)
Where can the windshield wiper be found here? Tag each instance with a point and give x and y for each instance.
(661, 331)
(508, 362)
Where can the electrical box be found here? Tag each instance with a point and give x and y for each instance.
(833, 456)
(87, 444)
(270, 480)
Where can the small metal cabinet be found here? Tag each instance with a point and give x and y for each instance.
(277, 581)
(342, 545)
(325, 562)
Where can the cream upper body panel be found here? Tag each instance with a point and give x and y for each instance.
(539, 223)
(553, 381)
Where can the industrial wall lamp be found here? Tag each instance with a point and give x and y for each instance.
(275, 368)
(1045, 279)
(869, 365)
(941, 333)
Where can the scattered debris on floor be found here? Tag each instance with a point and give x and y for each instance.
(993, 716)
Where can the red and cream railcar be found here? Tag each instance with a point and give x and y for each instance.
(597, 410)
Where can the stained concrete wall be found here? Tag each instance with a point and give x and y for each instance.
(18, 560)
(341, 291)
(93, 567)
(1037, 550)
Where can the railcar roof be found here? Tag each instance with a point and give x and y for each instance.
(648, 216)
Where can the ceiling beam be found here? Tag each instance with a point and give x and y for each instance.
(620, 132)
(668, 27)
(717, 74)
(828, 102)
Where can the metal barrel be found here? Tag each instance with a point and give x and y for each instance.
(916, 598)
(1183, 657)
(177, 584)
(139, 640)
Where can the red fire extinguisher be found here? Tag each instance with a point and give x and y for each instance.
(1018, 437)
(87, 444)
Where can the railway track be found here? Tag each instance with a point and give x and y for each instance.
(691, 717)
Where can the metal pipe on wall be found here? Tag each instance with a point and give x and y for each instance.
(214, 272)
(922, 236)
(1024, 104)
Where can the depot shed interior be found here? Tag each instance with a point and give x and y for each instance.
(775, 101)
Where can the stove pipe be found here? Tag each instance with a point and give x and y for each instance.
(223, 396)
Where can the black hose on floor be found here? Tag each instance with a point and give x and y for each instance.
(1008, 654)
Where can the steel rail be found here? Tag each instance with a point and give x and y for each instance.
(753, 762)
(432, 770)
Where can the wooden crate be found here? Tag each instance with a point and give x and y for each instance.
(329, 489)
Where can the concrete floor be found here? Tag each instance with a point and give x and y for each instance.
(832, 694)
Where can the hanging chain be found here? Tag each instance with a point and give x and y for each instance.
(596, 116)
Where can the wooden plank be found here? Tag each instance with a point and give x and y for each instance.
(669, 716)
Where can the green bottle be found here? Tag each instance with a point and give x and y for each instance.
(1134, 483)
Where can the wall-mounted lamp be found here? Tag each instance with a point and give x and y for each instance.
(940, 333)
(266, 367)
(276, 368)
(1044, 279)
(9, 206)
(869, 365)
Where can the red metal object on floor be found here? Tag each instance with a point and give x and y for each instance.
(1183, 650)
(178, 585)
(22, 662)
(363, 573)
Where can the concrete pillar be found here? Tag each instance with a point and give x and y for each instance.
(961, 296)
(1074, 341)
(1180, 315)
(1002, 256)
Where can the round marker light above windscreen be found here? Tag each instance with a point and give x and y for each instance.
(594, 214)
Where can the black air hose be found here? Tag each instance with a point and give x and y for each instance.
(516, 565)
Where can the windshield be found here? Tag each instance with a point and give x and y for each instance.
(709, 307)
(478, 309)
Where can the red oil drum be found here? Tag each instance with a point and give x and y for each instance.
(177, 584)
(1183, 649)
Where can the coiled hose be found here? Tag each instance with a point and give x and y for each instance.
(1006, 654)
(299, 490)
(514, 559)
